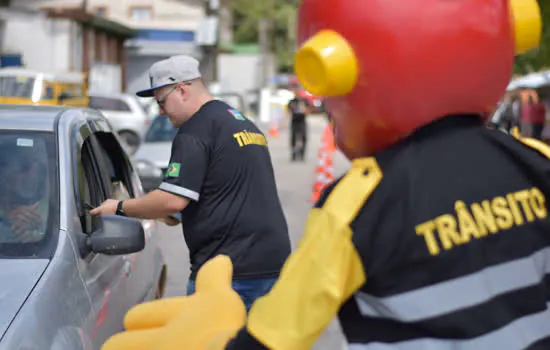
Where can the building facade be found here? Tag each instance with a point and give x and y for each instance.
(161, 28)
(61, 39)
(164, 28)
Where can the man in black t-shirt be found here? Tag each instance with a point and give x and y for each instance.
(298, 110)
(220, 178)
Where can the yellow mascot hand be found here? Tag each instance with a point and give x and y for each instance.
(211, 316)
(204, 320)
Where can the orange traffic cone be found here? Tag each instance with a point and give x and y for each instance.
(274, 128)
(324, 170)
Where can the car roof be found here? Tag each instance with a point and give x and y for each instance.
(64, 77)
(29, 117)
(118, 95)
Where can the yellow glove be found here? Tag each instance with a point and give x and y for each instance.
(205, 320)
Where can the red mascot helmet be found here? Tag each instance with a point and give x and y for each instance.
(388, 67)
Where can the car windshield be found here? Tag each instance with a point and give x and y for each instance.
(28, 201)
(17, 86)
(161, 130)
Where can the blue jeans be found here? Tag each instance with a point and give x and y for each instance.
(249, 289)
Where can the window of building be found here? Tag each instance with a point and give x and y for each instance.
(141, 13)
(101, 11)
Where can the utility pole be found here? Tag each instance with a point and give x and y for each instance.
(263, 28)
(264, 37)
(210, 50)
(4, 4)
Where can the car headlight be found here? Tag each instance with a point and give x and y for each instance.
(147, 169)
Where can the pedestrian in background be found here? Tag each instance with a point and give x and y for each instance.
(298, 110)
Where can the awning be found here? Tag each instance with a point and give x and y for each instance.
(530, 81)
(91, 20)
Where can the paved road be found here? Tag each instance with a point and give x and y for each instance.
(294, 181)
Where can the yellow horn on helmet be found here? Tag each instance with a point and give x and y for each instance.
(326, 65)
(527, 23)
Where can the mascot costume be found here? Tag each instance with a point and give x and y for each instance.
(405, 82)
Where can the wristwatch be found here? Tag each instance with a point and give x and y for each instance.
(119, 210)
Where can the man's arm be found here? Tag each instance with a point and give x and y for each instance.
(288, 112)
(156, 204)
(182, 183)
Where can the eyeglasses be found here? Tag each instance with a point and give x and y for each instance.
(161, 101)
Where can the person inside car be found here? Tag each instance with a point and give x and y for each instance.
(23, 200)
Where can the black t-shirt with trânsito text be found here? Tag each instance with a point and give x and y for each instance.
(220, 161)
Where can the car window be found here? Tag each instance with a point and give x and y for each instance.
(17, 86)
(108, 104)
(28, 187)
(48, 92)
(89, 183)
(114, 165)
(160, 130)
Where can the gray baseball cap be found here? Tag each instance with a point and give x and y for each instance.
(170, 71)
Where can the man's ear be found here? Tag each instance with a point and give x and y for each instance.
(184, 90)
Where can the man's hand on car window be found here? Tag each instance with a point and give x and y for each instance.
(108, 207)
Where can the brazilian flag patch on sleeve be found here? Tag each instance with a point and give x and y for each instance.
(235, 113)
(173, 170)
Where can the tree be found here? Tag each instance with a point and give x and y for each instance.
(276, 17)
(539, 58)
(280, 16)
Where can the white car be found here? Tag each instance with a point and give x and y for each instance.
(126, 115)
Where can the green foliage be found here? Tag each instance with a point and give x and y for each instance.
(538, 58)
(280, 15)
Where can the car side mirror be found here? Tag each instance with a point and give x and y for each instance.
(116, 235)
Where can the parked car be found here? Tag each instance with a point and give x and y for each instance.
(68, 278)
(125, 113)
(153, 156)
(25, 86)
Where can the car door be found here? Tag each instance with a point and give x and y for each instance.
(144, 267)
(103, 275)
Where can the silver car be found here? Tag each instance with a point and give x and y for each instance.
(67, 279)
(153, 156)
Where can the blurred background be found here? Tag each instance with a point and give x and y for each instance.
(245, 48)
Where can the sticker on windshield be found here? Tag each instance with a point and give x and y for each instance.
(25, 142)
